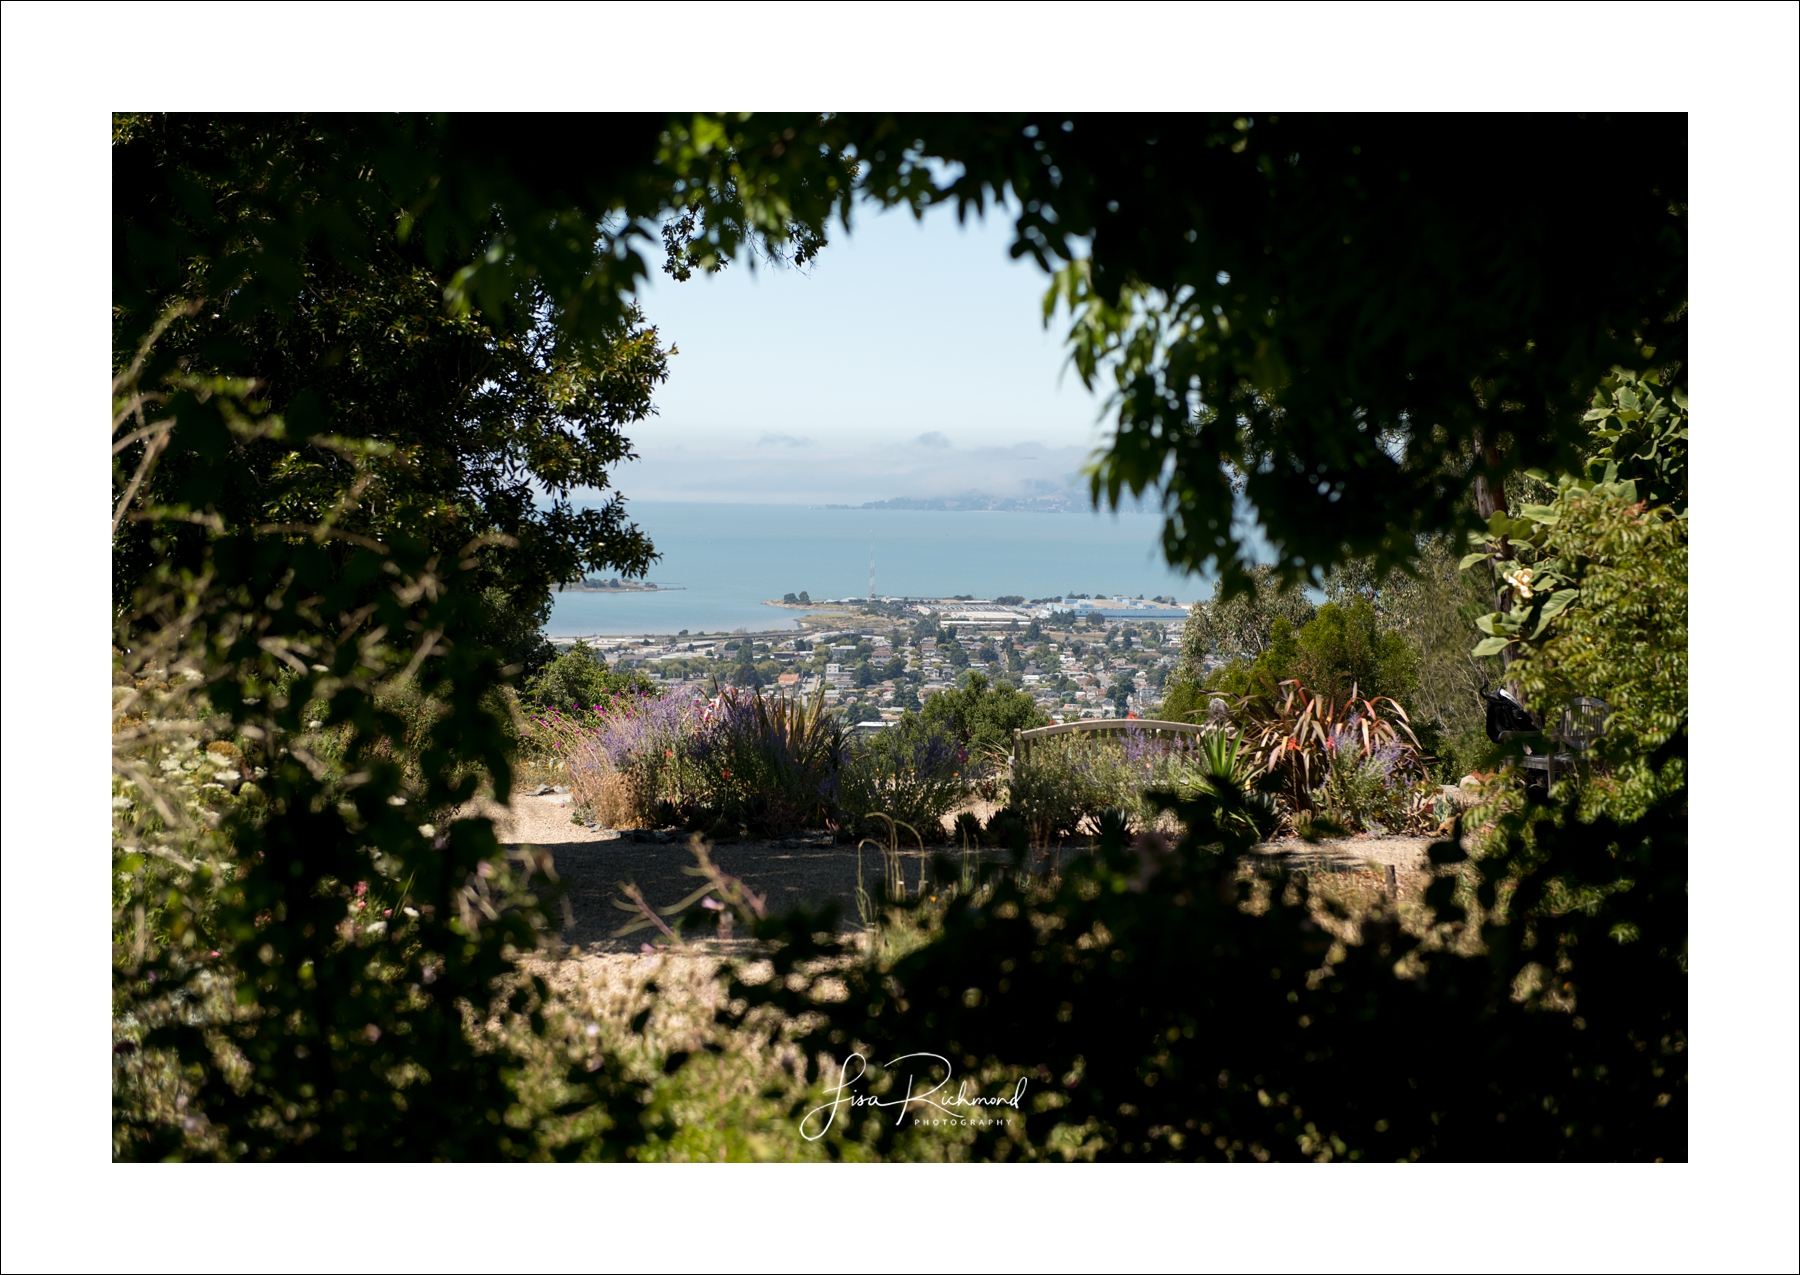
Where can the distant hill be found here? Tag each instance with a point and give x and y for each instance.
(1053, 503)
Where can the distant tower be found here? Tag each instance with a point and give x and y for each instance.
(871, 571)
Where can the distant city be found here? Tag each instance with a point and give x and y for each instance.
(1077, 655)
(1050, 503)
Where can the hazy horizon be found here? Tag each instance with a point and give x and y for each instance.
(909, 360)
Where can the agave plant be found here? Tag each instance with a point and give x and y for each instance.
(1225, 769)
(1295, 733)
(1224, 759)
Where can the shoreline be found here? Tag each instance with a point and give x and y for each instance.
(619, 588)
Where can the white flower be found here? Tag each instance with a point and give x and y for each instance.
(396, 801)
(412, 912)
(427, 830)
(1520, 580)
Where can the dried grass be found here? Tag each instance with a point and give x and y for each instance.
(615, 798)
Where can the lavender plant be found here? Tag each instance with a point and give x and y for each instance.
(914, 775)
(1365, 788)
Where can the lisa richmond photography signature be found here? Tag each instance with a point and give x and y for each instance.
(909, 1095)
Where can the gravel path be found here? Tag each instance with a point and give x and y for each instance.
(808, 868)
(592, 864)
(1401, 853)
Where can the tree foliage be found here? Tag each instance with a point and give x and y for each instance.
(1621, 638)
(388, 412)
(578, 678)
(981, 716)
(266, 1005)
(1345, 647)
(1239, 626)
(1596, 591)
(1320, 315)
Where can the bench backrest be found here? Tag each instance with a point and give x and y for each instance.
(1024, 739)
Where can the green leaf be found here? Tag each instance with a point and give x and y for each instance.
(1491, 646)
(1558, 603)
(688, 902)
(1551, 609)
(1471, 559)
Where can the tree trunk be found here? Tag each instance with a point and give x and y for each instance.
(1489, 500)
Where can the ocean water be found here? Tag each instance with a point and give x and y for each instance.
(728, 559)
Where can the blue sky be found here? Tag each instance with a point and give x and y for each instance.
(909, 359)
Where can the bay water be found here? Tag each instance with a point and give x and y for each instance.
(728, 559)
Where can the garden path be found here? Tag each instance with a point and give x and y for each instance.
(811, 869)
(807, 868)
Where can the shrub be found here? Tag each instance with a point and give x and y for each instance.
(614, 798)
(1295, 734)
(1345, 646)
(578, 679)
(982, 717)
(1364, 788)
(1433, 609)
(1067, 780)
(645, 736)
(770, 764)
(766, 764)
(1053, 789)
(913, 773)
(292, 986)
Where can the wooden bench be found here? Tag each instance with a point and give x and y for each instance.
(1024, 739)
(1583, 719)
